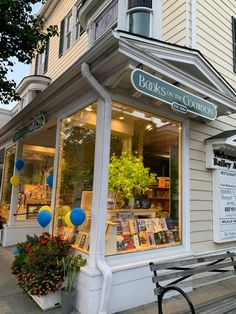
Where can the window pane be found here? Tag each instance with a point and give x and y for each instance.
(7, 187)
(139, 23)
(140, 3)
(75, 174)
(34, 190)
(144, 200)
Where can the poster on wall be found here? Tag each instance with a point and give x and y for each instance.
(224, 205)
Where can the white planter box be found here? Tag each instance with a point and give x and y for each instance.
(49, 301)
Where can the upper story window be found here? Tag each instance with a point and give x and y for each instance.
(78, 28)
(70, 29)
(41, 63)
(234, 42)
(140, 15)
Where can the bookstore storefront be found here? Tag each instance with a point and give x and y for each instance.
(26, 189)
(144, 183)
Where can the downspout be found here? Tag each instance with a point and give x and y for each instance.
(103, 149)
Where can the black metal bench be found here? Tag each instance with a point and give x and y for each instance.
(180, 270)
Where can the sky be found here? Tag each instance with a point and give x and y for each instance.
(20, 70)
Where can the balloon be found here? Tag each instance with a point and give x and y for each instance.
(19, 164)
(45, 207)
(44, 217)
(68, 221)
(64, 210)
(77, 216)
(16, 252)
(14, 180)
(50, 180)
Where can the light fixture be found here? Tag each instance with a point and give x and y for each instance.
(89, 108)
(68, 119)
(121, 117)
(149, 127)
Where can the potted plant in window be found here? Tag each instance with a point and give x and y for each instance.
(37, 268)
(71, 265)
(128, 176)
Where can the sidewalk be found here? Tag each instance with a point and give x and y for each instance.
(218, 298)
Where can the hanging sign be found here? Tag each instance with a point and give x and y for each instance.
(29, 128)
(154, 87)
(224, 205)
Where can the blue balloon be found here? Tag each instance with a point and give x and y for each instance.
(77, 216)
(19, 164)
(50, 180)
(44, 217)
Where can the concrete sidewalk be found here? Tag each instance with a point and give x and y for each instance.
(219, 298)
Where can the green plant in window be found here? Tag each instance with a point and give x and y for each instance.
(128, 176)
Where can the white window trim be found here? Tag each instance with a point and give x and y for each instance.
(155, 18)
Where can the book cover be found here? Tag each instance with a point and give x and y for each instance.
(143, 239)
(149, 225)
(151, 239)
(141, 225)
(82, 240)
(157, 238)
(136, 241)
(133, 226)
(124, 243)
(163, 224)
(120, 243)
(156, 225)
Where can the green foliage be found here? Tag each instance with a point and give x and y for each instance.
(71, 265)
(22, 35)
(127, 175)
(36, 266)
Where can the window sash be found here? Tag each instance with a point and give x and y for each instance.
(234, 42)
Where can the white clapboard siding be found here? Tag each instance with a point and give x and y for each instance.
(214, 35)
(174, 22)
(201, 195)
(56, 65)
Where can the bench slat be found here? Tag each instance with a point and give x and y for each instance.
(191, 272)
(190, 261)
(204, 280)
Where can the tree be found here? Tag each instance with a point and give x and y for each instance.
(22, 35)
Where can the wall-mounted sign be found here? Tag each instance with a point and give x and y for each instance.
(224, 205)
(216, 158)
(154, 87)
(29, 128)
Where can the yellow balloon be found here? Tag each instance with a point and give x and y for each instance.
(68, 221)
(45, 207)
(14, 180)
(64, 210)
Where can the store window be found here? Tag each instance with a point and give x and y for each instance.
(144, 202)
(139, 12)
(34, 190)
(6, 185)
(75, 174)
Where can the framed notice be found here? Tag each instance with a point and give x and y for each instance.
(86, 200)
(224, 205)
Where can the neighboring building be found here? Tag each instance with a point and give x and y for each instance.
(153, 78)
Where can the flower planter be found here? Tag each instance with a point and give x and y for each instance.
(49, 301)
(67, 300)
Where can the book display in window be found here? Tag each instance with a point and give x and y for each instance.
(132, 234)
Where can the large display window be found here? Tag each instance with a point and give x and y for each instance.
(6, 185)
(75, 174)
(144, 201)
(34, 190)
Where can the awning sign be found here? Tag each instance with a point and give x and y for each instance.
(154, 87)
(29, 128)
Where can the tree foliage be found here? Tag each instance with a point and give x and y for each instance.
(22, 35)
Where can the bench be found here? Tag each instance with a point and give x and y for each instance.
(222, 265)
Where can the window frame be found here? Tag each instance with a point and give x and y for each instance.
(234, 42)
